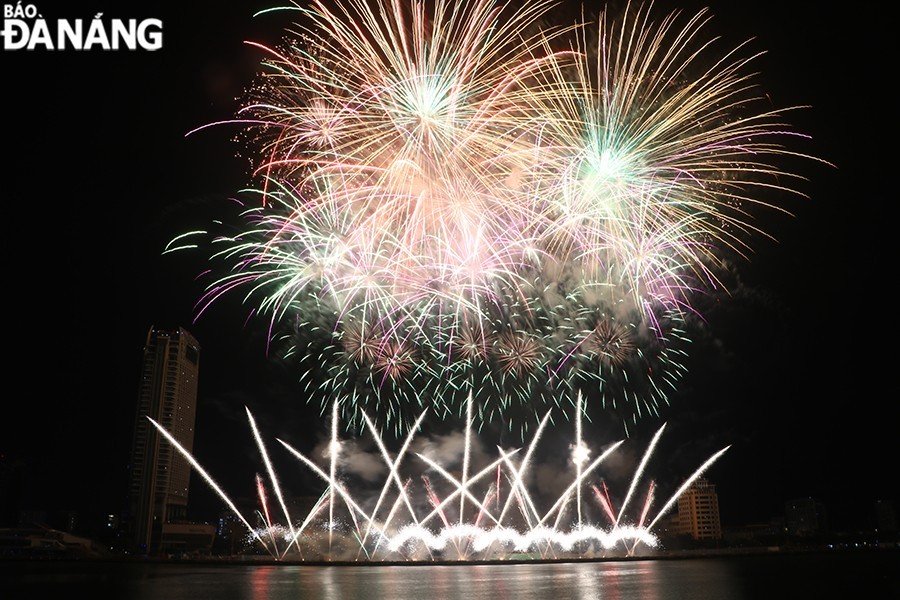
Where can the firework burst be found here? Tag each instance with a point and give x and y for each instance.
(611, 341)
(518, 353)
(457, 197)
(660, 142)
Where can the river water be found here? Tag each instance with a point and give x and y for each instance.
(871, 575)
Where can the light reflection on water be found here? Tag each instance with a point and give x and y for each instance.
(739, 578)
(583, 581)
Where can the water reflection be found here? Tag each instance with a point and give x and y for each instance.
(831, 577)
(259, 582)
(649, 584)
(650, 580)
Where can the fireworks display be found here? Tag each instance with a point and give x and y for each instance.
(458, 199)
(410, 520)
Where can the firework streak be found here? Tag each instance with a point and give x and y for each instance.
(383, 534)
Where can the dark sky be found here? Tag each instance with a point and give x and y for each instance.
(796, 369)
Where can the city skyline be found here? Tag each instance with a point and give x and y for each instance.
(773, 373)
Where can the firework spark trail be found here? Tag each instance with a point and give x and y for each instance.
(485, 501)
(606, 495)
(209, 480)
(319, 505)
(564, 502)
(438, 506)
(579, 479)
(335, 486)
(272, 477)
(393, 466)
(580, 454)
(639, 472)
(435, 501)
(520, 491)
(467, 452)
(686, 485)
(390, 517)
(261, 492)
(460, 490)
(647, 503)
(487, 497)
(519, 473)
(294, 538)
(603, 501)
(523, 510)
(333, 450)
(499, 473)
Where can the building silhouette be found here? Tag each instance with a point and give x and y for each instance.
(698, 512)
(805, 517)
(158, 492)
(885, 516)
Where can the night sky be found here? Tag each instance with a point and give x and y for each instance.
(795, 368)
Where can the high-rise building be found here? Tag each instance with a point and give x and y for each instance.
(805, 517)
(698, 512)
(160, 476)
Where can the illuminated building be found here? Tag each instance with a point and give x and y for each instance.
(698, 512)
(158, 492)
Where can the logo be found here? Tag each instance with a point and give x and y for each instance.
(24, 28)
